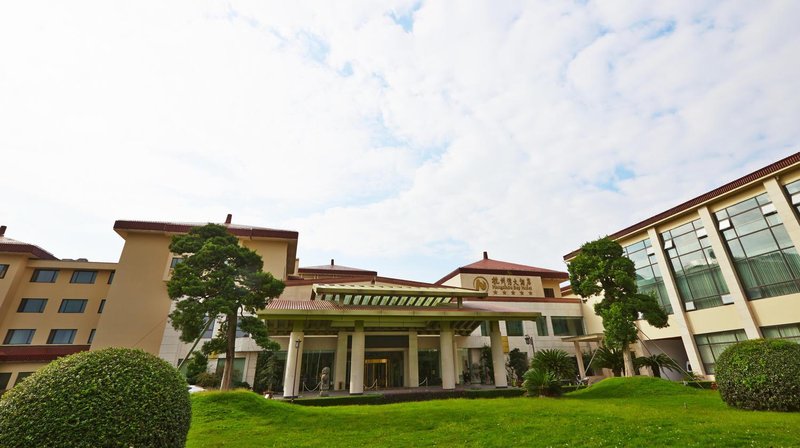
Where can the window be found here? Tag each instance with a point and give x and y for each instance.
(648, 274)
(789, 332)
(3, 270)
(793, 189)
(541, 325)
(514, 328)
(85, 277)
(697, 272)
(239, 332)
(765, 258)
(238, 368)
(102, 306)
(711, 345)
(61, 336)
(567, 326)
(5, 377)
(44, 276)
(485, 328)
(19, 337)
(209, 333)
(175, 261)
(21, 376)
(111, 277)
(549, 292)
(32, 306)
(91, 336)
(72, 306)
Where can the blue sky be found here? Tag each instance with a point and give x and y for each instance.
(405, 137)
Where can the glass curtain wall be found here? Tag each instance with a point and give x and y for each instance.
(765, 258)
(695, 266)
(648, 274)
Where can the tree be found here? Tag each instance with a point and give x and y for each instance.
(609, 358)
(657, 363)
(219, 279)
(601, 269)
(518, 361)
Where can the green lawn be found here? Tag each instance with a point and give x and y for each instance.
(638, 412)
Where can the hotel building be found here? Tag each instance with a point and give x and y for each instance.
(724, 265)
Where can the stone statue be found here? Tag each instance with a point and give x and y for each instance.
(324, 381)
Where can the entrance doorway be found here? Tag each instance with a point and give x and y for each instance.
(383, 369)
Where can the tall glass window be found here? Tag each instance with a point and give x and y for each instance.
(648, 274)
(695, 265)
(541, 325)
(567, 326)
(711, 345)
(765, 258)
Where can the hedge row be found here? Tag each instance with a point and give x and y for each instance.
(422, 395)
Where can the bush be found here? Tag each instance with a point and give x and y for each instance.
(207, 380)
(195, 366)
(762, 374)
(112, 397)
(511, 392)
(541, 383)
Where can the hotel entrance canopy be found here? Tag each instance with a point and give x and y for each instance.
(337, 307)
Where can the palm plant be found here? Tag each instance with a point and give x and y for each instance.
(609, 358)
(541, 383)
(555, 361)
(657, 363)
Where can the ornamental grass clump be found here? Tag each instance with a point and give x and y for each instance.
(762, 374)
(111, 398)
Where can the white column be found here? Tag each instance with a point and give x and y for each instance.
(294, 360)
(678, 315)
(579, 358)
(446, 351)
(357, 360)
(784, 208)
(413, 360)
(340, 370)
(729, 274)
(498, 359)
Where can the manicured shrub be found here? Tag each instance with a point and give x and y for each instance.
(762, 374)
(494, 393)
(107, 398)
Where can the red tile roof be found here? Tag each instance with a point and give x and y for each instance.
(332, 269)
(356, 279)
(184, 227)
(489, 266)
(14, 246)
(696, 202)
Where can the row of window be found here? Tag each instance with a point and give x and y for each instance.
(80, 277)
(765, 259)
(711, 345)
(59, 336)
(67, 306)
(562, 326)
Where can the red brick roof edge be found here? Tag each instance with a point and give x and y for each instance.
(38, 352)
(25, 248)
(730, 186)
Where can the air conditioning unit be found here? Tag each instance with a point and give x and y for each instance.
(768, 209)
(651, 250)
(690, 306)
(701, 233)
(668, 244)
(725, 224)
(727, 299)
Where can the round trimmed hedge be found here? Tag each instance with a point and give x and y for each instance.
(111, 398)
(762, 374)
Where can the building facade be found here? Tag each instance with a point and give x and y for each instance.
(724, 265)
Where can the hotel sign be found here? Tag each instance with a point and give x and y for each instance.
(504, 285)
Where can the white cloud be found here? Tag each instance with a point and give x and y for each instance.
(479, 126)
